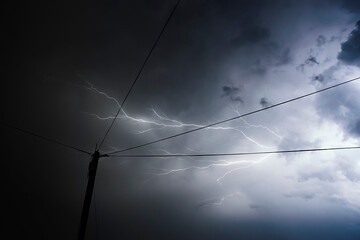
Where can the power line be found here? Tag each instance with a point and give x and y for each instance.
(236, 117)
(47, 139)
(141, 68)
(231, 154)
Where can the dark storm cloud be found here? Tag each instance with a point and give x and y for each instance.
(220, 37)
(264, 102)
(310, 61)
(326, 76)
(350, 49)
(343, 105)
(216, 36)
(232, 93)
(318, 78)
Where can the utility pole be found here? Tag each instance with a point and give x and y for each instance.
(89, 191)
(96, 156)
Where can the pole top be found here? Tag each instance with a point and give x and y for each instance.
(97, 154)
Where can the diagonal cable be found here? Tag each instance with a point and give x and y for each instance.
(47, 139)
(236, 117)
(139, 73)
(232, 154)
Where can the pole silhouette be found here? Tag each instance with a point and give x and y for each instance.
(89, 191)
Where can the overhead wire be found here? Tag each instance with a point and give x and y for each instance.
(139, 73)
(232, 154)
(47, 139)
(236, 117)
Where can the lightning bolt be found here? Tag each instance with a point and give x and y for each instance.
(218, 163)
(236, 110)
(218, 201)
(162, 122)
(251, 163)
(159, 122)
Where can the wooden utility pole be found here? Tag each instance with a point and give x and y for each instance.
(89, 191)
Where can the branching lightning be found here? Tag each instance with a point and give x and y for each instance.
(218, 201)
(251, 163)
(160, 122)
(218, 163)
(236, 110)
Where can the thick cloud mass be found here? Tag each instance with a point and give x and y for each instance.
(350, 50)
(232, 93)
(69, 64)
(343, 107)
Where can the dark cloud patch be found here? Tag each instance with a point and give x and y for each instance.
(232, 93)
(350, 50)
(326, 76)
(264, 102)
(228, 91)
(318, 78)
(310, 61)
(321, 40)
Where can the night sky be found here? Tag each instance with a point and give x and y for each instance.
(68, 65)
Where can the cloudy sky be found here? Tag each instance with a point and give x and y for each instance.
(69, 64)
